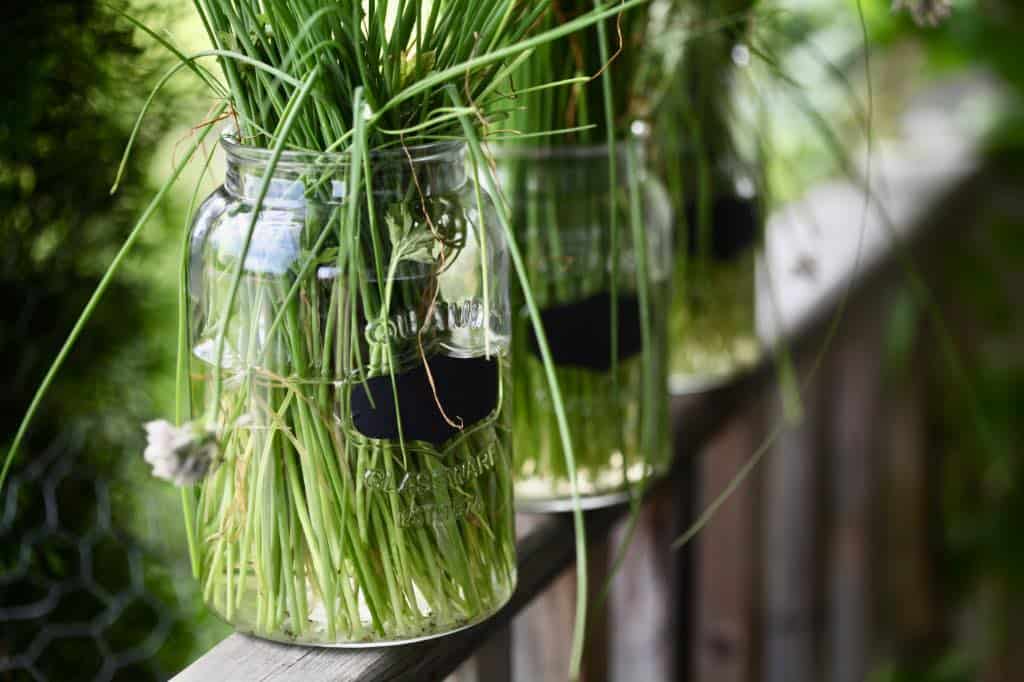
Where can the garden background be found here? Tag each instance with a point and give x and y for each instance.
(94, 577)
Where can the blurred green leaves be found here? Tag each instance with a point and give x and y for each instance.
(75, 74)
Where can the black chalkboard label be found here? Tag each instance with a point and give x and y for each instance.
(579, 333)
(467, 389)
(735, 225)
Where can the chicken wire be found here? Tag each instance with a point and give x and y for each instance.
(76, 602)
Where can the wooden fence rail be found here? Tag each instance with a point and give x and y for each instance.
(817, 251)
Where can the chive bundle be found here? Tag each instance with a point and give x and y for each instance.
(307, 529)
(391, 50)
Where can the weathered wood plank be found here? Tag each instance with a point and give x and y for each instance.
(727, 557)
(543, 631)
(682, 596)
(910, 609)
(492, 662)
(791, 549)
(641, 640)
(855, 383)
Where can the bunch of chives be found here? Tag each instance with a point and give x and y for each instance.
(290, 539)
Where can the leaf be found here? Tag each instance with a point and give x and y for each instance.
(410, 240)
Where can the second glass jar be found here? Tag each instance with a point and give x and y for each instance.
(596, 240)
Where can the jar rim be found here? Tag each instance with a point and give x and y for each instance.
(510, 150)
(430, 152)
(562, 152)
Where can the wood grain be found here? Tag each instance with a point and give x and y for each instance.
(727, 557)
(642, 639)
(853, 442)
(790, 589)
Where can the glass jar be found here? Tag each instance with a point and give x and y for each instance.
(599, 261)
(362, 491)
(714, 315)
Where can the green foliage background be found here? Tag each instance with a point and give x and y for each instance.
(75, 75)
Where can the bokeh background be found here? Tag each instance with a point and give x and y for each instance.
(94, 578)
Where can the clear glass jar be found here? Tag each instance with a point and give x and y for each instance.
(362, 492)
(587, 243)
(714, 315)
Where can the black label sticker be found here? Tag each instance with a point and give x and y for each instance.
(735, 224)
(467, 389)
(579, 333)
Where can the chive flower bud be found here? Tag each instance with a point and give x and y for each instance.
(179, 454)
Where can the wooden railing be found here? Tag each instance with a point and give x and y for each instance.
(825, 257)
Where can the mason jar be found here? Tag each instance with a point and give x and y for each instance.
(350, 344)
(595, 232)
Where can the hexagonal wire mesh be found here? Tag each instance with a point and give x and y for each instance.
(75, 599)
